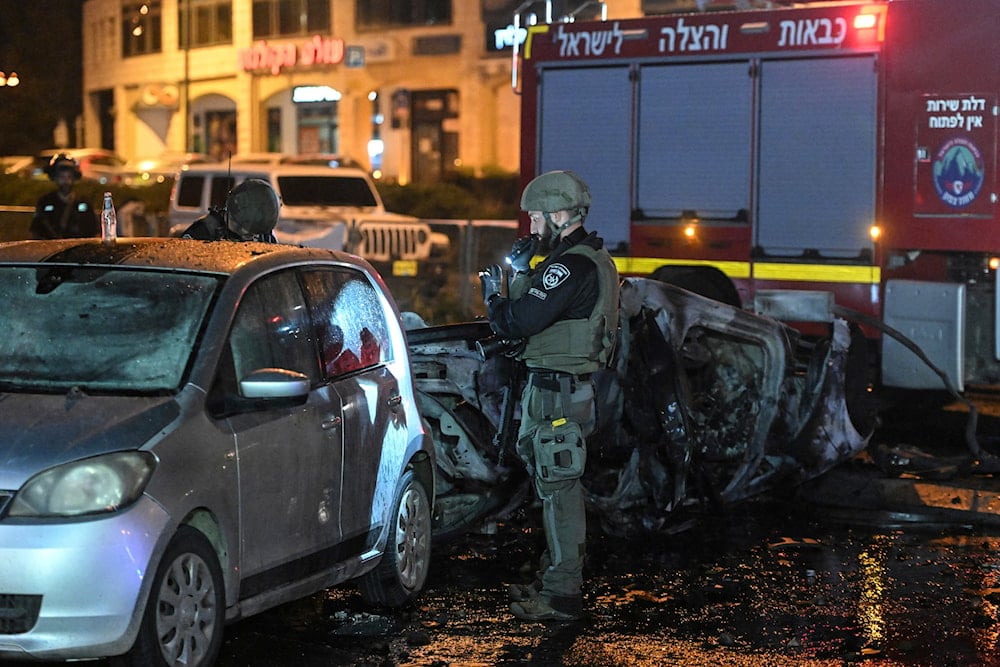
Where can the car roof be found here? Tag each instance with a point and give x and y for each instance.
(257, 158)
(273, 170)
(223, 257)
(76, 152)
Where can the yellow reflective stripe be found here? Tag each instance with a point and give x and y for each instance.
(532, 31)
(787, 271)
(818, 273)
(646, 265)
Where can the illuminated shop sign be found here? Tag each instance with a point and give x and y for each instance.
(504, 38)
(263, 56)
(315, 94)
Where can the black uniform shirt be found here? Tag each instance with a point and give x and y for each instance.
(563, 287)
(57, 219)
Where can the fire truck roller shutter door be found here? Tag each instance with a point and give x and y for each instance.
(817, 172)
(595, 144)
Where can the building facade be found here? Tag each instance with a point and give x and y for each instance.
(412, 89)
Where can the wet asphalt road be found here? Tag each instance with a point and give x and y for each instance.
(778, 581)
(762, 586)
(784, 580)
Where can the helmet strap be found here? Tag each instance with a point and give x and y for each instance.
(550, 224)
(557, 229)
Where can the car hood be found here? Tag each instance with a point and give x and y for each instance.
(39, 431)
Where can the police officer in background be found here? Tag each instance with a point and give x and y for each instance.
(566, 310)
(250, 214)
(61, 213)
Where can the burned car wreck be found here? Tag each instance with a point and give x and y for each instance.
(705, 406)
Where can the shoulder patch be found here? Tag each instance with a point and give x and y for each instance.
(537, 293)
(554, 276)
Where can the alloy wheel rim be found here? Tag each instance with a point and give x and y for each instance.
(186, 615)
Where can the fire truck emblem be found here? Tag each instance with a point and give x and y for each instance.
(554, 276)
(958, 172)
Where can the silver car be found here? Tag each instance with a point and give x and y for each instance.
(192, 432)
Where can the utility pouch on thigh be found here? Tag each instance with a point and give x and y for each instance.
(560, 451)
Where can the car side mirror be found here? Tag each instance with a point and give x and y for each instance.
(266, 389)
(270, 383)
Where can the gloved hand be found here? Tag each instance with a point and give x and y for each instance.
(522, 251)
(491, 279)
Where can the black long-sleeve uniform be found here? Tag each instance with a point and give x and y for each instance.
(563, 287)
(58, 219)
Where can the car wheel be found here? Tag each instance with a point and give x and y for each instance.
(707, 281)
(184, 617)
(402, 572)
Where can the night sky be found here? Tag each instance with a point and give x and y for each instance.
(40, 40)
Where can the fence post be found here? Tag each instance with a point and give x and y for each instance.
(467, 235)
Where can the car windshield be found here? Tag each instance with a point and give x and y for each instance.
(102, 329)
(325, 191)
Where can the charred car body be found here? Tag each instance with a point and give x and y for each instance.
(705, 404)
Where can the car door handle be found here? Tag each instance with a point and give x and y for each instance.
(394, 401)
(332, 422)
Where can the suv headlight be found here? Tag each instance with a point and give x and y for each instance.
(105, 483)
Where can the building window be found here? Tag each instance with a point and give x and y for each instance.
(285, 18)
(142, 28)
(211, 23)
(434, 133)
(383, 13)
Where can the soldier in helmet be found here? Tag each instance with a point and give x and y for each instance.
(566, 310)
(62, 213)
(250, 215)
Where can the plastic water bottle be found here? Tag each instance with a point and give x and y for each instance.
(109, 220)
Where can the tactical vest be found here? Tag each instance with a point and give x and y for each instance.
(582, 345)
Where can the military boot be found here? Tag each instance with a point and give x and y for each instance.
(544, 607)
(522, 592)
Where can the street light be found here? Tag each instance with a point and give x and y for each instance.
(9, 80)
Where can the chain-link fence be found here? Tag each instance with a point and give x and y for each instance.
(447, 288)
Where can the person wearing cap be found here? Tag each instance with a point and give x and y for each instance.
(565, 310)
(250, 214)
(62, 213)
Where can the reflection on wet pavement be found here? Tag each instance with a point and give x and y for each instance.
(759, 587)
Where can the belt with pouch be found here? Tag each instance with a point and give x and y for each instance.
(556, 380)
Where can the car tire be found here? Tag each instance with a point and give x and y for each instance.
(184, 616)
(707, 281)
(402, 572)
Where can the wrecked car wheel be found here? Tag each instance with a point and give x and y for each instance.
(183, 621)
(401, 573)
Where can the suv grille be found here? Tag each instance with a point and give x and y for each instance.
(18, 613)
(386, 241)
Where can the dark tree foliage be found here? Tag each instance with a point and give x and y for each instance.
(41, 41)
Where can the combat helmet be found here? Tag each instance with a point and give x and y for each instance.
(252, 207)
(556, 191)
(62, 162)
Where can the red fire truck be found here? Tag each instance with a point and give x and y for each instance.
(828, 158)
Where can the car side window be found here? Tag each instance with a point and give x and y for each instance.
(189, 191)
(350, 318)
(272, 329)
(221, 187)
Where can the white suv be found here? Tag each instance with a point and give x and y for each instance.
(336, 208)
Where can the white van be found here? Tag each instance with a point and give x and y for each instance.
(336, 208)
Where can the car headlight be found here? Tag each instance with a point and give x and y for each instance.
(91, 486)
